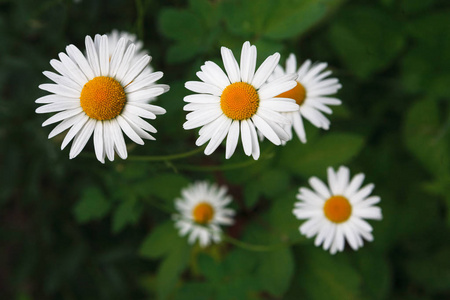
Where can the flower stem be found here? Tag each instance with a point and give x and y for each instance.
(164, 157)
(251, 247)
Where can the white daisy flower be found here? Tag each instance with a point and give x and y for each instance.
(239, 102)
(311, 94)
(202, 209)
(101, 96)
(337, 212)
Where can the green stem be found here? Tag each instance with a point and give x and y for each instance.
(140, 19)
(251, 247)
(164, 157)
(267, 155)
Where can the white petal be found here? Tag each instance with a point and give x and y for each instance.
(74, 130)
(119, 141)
(298, 126)
(103, 51)
(266, 130)
(129, 131)
(58, 106)
(135, 70)
(66, 124)
(354, 185)
(218, 136)
(126, 62)
(278, 86)
(78, 57)
(248, 62)
(203, 88)
(255, 143)
(319, 187)
(291, 64)
(246, 137)
(265, 70)
(61, 90)
(143, 82)
(82, 138)
(98, 142)
(117, 56)
(201, 98)
(280, 105)
(62, 116)
(92, 56)
(62, 80)
(230, 64)
(232, 139)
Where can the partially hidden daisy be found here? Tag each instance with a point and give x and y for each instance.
(337, 212)
(239, 102)
(312, 94)
(102, 93)
(113, 39)
(201, 212)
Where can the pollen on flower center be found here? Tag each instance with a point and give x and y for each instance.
(337, 209)
(239, 101)
(298, 93)
(203, 213)
(102, 98)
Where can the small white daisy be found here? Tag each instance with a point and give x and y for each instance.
(239, 102)
(101, 95)
(201, 212)
(338, 211)
(311, 94)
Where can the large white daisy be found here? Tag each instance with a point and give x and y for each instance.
(238, 102)
(103, 95)
(311, 94)
(202, 210)
(336, 213)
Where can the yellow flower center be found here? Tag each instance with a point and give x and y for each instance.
(103, 98)
(337, 209)
(203, 213)
(298, 93)
(239, 101)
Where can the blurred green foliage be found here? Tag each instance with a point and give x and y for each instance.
(81, 230)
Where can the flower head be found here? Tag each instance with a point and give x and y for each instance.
(336, 213)
(239, 102)
(201, 211)
(103, 95)
(311, 94)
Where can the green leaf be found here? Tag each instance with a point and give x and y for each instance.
(180, 24)
(282, 220)
(315, 156)
(159, 241)
(128, 212)
(195, 291)
(275, 271)
(425, 137)
(184, 27)
(170, 269)
(376, 274)
(293, 17)
(431, 272)
(245, 18)
(165, 186)
(273, 182)
(92, 205)
(366, 39)
(323, 276)
(183, 51)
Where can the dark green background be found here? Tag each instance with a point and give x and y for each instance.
(76, 229)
